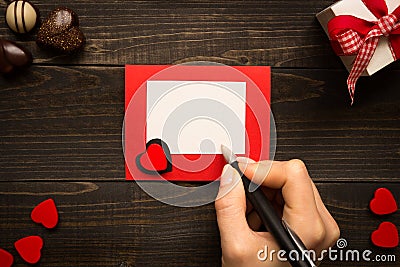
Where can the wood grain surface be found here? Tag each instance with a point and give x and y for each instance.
(65, 123)
(61, 124)
(273, 32)
(117, 224)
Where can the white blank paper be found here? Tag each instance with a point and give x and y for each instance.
(196, 117)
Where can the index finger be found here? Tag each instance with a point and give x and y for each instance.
(290, 176)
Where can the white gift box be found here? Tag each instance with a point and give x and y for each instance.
(383, 55)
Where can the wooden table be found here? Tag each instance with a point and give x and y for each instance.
(61, 125)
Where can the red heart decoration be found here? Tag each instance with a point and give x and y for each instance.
(6, 259)
(46, 214)
(156, 159)
(29, 248)
(386, 236)
(383, 202)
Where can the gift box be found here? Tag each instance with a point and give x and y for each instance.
(365, 34)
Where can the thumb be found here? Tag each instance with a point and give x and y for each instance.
(231, 208)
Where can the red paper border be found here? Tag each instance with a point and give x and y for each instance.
(137, 75)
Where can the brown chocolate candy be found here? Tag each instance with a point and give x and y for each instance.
(13, 56)
(22, 16)
(60, 31)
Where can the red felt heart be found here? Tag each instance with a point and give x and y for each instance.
(6, 259)
(29, 248)
(386, 236)
(156, 158)
(46, 214)
(383, 202)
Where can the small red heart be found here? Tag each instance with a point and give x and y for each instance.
(29, 248)
(6, 259)
(46, 214)
(156, 158)
(383, 202)
(386, 236)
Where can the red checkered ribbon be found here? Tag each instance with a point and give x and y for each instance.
(359, 37)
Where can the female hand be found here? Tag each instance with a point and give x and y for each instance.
(295, 197)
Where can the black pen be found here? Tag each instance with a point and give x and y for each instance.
(295, 251)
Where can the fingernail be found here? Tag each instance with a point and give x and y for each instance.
(244, 160)
(227, 175)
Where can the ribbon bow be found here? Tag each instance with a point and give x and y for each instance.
(355, 36)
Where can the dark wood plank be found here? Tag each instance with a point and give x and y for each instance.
(273, 32)
(63, 116)
(117, 224)
(316, 123)
(65, 123)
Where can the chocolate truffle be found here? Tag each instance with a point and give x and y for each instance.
(60, 31)
(13, 56)
(21, 16)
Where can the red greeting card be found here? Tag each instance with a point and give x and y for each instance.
(176, 118)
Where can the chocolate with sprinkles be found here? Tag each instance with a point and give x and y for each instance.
(60, 31)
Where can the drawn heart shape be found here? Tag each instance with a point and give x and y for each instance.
(383, 202)
(45, 213)
(29, 248)
(60, 31)
(6, 259)
(156, 159)
(386, 236)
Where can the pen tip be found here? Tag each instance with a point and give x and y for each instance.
(224, 150)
